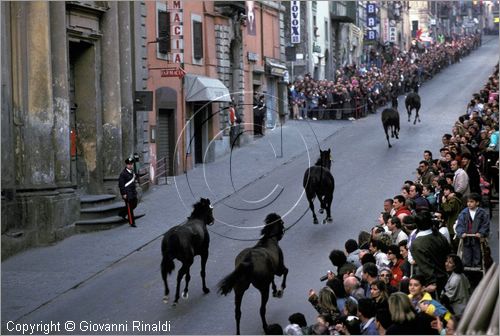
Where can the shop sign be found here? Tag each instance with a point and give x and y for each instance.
(295, 21)
(173, 72)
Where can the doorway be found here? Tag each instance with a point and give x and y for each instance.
(84, 113)
(165, 140)
(200, 112)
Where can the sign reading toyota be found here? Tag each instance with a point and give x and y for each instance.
(295, 21)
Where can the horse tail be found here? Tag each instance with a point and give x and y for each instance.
(306, 178)
(169, 244)
(240, 273)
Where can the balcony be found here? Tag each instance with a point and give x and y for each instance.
(342, 12)
(229, 8)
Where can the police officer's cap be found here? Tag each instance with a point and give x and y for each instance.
(129, 160)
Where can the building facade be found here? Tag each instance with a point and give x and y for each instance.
(69, 73)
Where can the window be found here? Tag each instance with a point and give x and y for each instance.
(163, 32)
(197, 40)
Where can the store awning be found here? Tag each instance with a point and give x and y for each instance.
(200, 88)
(275, 68)
(342, 18)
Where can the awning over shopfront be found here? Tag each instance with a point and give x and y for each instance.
(275, 68)
(200, 88)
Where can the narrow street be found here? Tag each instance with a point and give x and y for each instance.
(119, 279)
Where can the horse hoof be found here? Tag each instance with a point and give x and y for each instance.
(185, 295)
(390, 146)
(165, 299)
(174, 304)
(279, 294)
(315, 221)
(206, 290)
(329, 219)
(321, 210)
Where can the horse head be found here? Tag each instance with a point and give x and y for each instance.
(274, 226)
(325, 159)
(203, 210)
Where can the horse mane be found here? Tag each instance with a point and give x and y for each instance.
(199, 209)
(273, 222)
(319, 162)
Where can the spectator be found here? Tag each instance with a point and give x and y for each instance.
(388, 206)
(382, 321)
(325, 302)
(395, 229)
(400, 207)
(406, 321)
(424, 173)
(274, 329)
(428, 194)
(366, 314)
(460, 179)
(352, 250)
(423, 301)
(456, 292)
(377, 248)
(353, 288)
(429, 250)
(385, 274)
(363, 240)
(441, 225)
(472, 172)
(421, 204)
(298, 320)
(339, 260)
(451, 206)
(406, 267)
(473, 220)
(379, 294)
(370, 274)
(396, 265)
(428, 156)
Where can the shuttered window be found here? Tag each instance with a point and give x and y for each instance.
(197, 40)
(163, 32)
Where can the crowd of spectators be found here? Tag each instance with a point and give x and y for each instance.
(409, 275)
(357, 90)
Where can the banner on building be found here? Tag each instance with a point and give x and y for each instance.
(251, 26)
(295, 21)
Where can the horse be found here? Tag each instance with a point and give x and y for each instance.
(390, 119)
(185, 241)
(257, 266)
(318, 181)
(412, 101)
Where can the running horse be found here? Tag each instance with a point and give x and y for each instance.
(185, 241)
(390, 120)
(412, 101)
(318, 181)
(257, 266)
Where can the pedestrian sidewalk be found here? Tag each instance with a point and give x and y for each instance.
(38, 276)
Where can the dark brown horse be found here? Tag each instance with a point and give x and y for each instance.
(184, 242)
(390, 119)
(257, 266)
(318, 181)
(412, 101)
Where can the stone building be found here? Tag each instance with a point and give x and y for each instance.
(76, 80)
(69, 73)
(226, 54)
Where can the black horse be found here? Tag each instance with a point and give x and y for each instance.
(257, 266)
(318, 181)
(412, 101)
(390, 119)
(185, 241)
